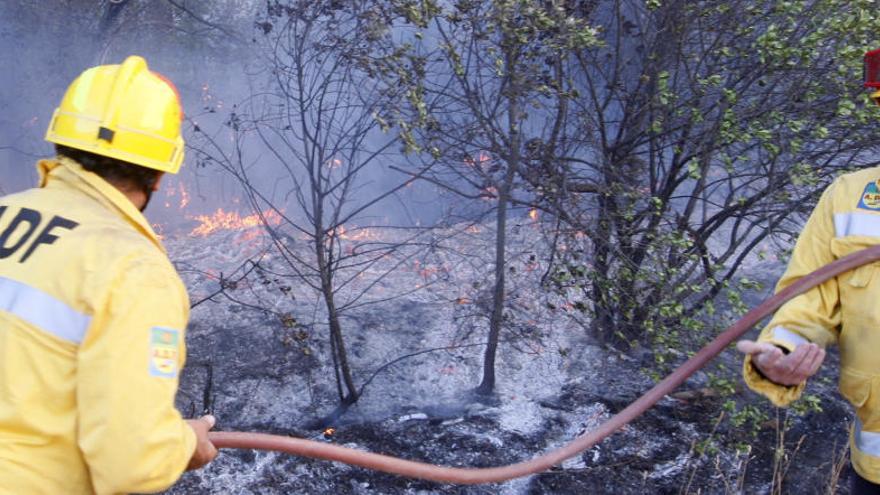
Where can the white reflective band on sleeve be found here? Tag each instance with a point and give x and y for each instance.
(787, 336)
(856, 224)
(866, 441)
(43, 311)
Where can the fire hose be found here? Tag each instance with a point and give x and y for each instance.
(470, 476)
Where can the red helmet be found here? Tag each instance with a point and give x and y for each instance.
(872, 73)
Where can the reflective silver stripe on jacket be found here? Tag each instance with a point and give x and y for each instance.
(43, 311)
(784, 335)
(856, 224)
(866, 441)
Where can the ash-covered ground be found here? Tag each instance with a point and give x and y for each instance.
(257, 360)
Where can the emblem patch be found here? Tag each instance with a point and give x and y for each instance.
(163, 352)
(870, 197)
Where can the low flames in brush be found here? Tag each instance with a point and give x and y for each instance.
(232, 220)
(173, 192)
(489, 193)
(177, 197)
(358, 234)
(481, 160)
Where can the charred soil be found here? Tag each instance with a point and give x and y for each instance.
(255, 361)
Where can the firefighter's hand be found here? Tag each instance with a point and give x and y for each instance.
(785, 369)
(205, 450)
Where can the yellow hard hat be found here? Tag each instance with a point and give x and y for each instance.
(124, 112)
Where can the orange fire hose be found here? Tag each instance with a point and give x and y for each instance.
(393, 465)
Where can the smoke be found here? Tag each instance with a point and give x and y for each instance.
(212, 54)
(44, 45)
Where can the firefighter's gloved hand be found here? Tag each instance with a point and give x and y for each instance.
(205, 450)
(785, 369)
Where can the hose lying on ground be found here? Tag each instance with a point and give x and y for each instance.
(393, 465)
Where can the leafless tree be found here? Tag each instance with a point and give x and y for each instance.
(305, 149)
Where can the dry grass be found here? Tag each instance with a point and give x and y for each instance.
(783, 458)
(701, 453)
(838, 462)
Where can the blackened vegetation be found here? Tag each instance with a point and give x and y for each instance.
(677, 447)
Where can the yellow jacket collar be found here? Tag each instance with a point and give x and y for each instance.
(74, 175)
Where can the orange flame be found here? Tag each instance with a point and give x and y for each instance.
(533, 214)
(425, 271)
(359, 234)
(222, 220)
(172, 191)
(184, 196)
(480, 160)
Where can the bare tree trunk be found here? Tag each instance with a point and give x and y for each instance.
(351, 395)
(340, 355)
(512, 159)
(603, 320)
(497, 317)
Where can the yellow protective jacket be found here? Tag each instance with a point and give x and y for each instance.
(844, 310)
(92, 318)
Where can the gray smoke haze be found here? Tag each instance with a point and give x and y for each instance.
(45, 45)
(208, 49)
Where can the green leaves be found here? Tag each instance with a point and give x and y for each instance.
(674, 133)
(845, 108)
(803, 174)
(417, 12)
(693, 167)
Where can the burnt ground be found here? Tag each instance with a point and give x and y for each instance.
(266, 375)
(679, 446)
(658, 453)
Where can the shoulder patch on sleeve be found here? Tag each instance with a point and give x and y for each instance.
(870, 199)
(164, 354)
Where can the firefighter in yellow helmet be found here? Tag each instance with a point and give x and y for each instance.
(92, 313)
(843, 310)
